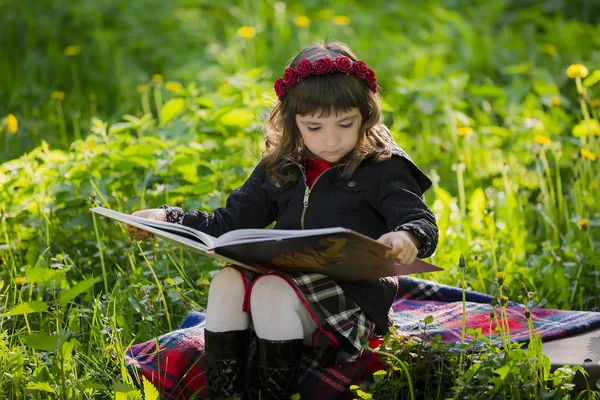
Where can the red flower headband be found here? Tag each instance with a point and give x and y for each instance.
(323, 66)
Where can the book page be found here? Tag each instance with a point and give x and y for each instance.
(259, 235)
(202, 240)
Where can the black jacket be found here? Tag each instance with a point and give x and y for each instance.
(380, 197)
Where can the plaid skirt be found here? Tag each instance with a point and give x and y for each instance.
(338, 317)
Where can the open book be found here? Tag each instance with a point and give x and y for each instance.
(340, 253)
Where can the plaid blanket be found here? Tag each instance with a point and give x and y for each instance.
(174, 363)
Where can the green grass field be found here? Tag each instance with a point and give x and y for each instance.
(145, 103)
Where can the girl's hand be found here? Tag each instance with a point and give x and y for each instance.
(404, 246)
(157, 214)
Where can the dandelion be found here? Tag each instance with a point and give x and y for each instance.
(71, 51)
(179, 200)
(157, 78)
(501, 277)
(58, 95)
(20, 282)
(555, 101)
(583, 224)
(462, 158)
(548, 49)
(577, 71)
(247, 32)
(302, 21)
(541, 139)
(172, 86)
(341, 20)
(142, 88)
(597, 131)
(12, 123)
(585, 153)
(464, 131)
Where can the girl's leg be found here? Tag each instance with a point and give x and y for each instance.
(282, 324)
(227, 336)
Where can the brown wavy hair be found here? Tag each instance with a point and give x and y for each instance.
(319, 95)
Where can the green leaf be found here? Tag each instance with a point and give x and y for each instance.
(41, 386)
(364, 395)
(83, 286)
(45, 276)
(379, 375)
(428, 319)
(150, 392)
(122, 387)
(502, 371)
(41, 341)
(238, 117)
(171, 109)
(27, 308)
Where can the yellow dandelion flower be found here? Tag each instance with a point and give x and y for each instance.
(462, 158)
(501, 277)
(302, 21)
(172, 86)
(555, 101)
(157, 78)
(597, 131)
(464, 131)
(577, 70)
(72, 51)
(58, 95)
(142, 88)
(20, 282)
(541, 139)
(548, 49)
(247, 32)
(179, 200)
(341, 20)
(585, 153)
(12, 123)
(583, 223)
(325, 14)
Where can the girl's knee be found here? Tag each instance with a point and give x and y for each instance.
(272, 290)
(228, 280)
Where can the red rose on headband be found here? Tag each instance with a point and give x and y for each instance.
(360, 69)
(304, 69)
(370, 78)
(323, 66)
(343, 64)
(280, 88)
(289, 76)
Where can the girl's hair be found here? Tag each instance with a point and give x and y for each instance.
(319, 95)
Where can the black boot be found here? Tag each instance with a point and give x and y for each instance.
(227, 356)
(278, 367)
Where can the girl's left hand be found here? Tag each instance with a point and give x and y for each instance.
(404, 246)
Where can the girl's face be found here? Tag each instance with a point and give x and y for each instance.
(330, 138)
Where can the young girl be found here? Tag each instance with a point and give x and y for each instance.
(328, 162)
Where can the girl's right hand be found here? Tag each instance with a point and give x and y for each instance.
(157, 214)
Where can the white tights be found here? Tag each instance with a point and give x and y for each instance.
(276, 311)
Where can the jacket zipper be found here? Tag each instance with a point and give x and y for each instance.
(307, 191)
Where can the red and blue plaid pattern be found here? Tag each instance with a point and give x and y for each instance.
(174, 362)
